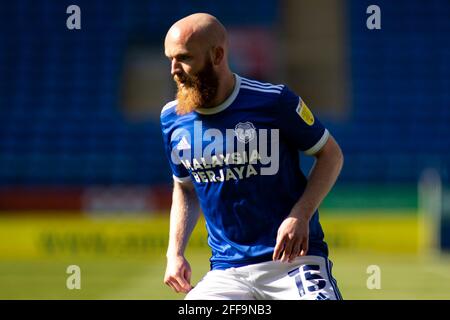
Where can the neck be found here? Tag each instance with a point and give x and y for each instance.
(226, 86)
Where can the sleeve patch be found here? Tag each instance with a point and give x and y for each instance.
(305, 113)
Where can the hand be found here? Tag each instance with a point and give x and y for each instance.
(292, 239)
(178, 274)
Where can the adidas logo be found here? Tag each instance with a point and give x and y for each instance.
(183, 144)
(322, 296)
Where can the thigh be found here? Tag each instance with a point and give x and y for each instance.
(221, 285)
(306, 278)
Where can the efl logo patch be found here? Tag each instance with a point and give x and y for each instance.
(305, 113)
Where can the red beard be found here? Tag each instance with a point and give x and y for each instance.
(196, 91)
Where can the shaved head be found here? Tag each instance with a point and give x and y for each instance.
(197, 47)
(199, 28)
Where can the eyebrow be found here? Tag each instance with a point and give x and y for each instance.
(179, 55)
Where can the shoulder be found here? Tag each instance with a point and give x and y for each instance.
(268, 94)
(169, 108)
(259, 88)
(168, 113)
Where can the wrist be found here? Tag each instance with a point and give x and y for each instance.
(300, 217)
(302, 214)
(174, 254)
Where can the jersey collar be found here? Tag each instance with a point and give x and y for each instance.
(226, 103)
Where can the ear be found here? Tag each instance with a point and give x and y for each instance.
(218, 55)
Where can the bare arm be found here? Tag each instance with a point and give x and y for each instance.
(184, 215)
(293, 233)
(323, 175)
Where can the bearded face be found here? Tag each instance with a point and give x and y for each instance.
(196, 91)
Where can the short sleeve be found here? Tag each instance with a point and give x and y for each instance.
(179, 172)
(298, 124)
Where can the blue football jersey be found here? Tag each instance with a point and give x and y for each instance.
(243, 159)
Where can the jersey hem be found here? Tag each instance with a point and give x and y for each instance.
(222, 265)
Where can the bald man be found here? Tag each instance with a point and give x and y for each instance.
(233, 145)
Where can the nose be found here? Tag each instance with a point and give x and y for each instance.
(175, 67)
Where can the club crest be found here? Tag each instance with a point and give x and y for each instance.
(245, 131)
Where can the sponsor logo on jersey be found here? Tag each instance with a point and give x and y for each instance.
(214, 156)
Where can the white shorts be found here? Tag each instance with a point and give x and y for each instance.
(305, 278)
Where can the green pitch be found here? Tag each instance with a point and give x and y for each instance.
(402, 277)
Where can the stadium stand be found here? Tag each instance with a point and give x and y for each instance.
(61, 123)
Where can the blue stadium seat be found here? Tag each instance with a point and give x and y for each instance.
(59, 118)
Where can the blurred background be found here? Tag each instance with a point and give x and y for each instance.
(84, 180)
